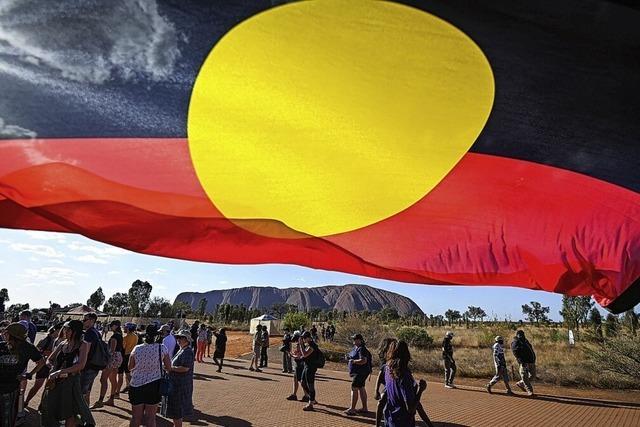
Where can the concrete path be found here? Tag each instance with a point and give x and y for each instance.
(240, 398)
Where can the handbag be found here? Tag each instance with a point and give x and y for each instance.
(166, 386)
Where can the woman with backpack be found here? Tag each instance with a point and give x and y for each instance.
(310, 355)
(146, 363)
(62, 398)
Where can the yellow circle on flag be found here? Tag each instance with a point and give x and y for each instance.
(331, 115)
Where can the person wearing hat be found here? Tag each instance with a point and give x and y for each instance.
(359, 369)
(62, 399)
(296, 355)
(449, 363)
(500, 364)
(15, 353)
(180, 402)
(308, 350)
(146, 363)
(526, 357)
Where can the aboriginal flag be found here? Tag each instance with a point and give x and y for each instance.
(437, 142)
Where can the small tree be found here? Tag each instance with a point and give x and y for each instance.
(575, 310)
(630, 320)
(475, 313)
(611, 325)
(535, 312)
(415, 336)
(15, 309)
(96, 299)
(160, 305)
(595, 318)
(294, 321)
(182, 309)
(452, 316)
(4, 297)
(202, 307)
(139, 294)
(117, 304)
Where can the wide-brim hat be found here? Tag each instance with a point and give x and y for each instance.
(184, 333)
(17, 331)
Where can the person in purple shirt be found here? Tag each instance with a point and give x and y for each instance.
(400, 388)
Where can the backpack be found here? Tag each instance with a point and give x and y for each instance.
(320, 359)
(369, 366)
(100, 357)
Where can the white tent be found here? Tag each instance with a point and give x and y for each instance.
(272, 324)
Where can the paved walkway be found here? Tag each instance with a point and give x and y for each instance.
(240, 398)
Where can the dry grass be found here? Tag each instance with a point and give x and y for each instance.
(557, 362)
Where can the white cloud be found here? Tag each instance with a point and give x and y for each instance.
(5, 241)
(55, 261)
(128, 39)
(102, 251)
(8, 131)
(46, 235)
(61, 282)
(92, 259)
(113, 272)
(41, 250)
(52, 273)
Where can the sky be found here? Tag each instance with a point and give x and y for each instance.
(38, 267)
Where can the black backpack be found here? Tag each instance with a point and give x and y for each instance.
(100, 357)
(319, 360)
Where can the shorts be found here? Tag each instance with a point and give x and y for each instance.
(115, 361)
(257, 349)
(299, 370)
(43, 373)
(147, 394)
(86, 380)
(124, 367)
(218, 354)
(359, 380)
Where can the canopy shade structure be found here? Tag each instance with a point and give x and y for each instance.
(445, 143)
(81, 310)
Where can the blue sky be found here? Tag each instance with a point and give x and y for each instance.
(38, 267)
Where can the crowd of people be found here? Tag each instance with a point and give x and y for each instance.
(155, 364)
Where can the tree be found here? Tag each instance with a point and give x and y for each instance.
(388, 314)
(4, 297)
(596, 321)
(117, 304)
(611, 325)
(160, 305)
(202, 307)
(535, 312)
(630, 320)
(475, 313)
(415, 336)
(139, 294)
(294, 321)
(15, 309)
(96, 299)
(182, 309)
(452, 315)
(575, 310)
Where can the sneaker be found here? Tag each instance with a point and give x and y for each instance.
(488, 387)
(258, 370)
(98, 404)
(292, 397)
(350, 412)
(251, 369)
(520, 385)
(509, 392)
(449, 386)
(304, 399)
(307, 408)
(531, 394)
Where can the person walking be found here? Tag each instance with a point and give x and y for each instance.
(15, 353)
(202, 343)
(449, 363)
(500, 364)
(359, 369)
(399, 388)
(286, 352)
(146, 363)
(309, 351)
(264, 357)
(257, 348)
(110, 373)
(179, 403)
(220, 348)
(526, 357)
(209, 340)
(296, 355)
(62, 399)
(194, 335)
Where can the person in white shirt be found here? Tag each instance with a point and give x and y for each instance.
(169, 339)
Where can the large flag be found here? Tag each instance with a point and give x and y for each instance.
(440, 142)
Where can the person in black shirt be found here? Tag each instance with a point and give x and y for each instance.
(449, 363)
(286, 352)
(526, 357)
(15, 353)
(309, 350)
(110, 373)
(221, 347)
(46, 347)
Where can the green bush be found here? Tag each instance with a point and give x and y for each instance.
(415, 336)
(294, 321)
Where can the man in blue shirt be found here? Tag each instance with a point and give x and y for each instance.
(89, 373)
(359, 369)
(32, 330)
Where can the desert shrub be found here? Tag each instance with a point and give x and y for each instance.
(371, 331)
(295, 320)
(618, 356)
(415, 336)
